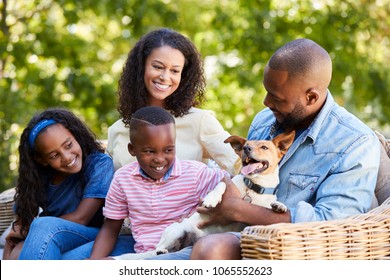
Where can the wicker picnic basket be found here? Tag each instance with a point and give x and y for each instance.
(360, 237)
(6, 211)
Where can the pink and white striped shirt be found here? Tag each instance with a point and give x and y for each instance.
(153, 205)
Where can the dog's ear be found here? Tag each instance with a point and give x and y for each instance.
(237, 142)
(283, 142)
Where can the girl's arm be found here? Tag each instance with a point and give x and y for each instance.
(106, 239)
(85, 211)
(99, 170)
(13, 238)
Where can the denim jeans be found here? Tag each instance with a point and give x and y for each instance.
(123, 245)
(52, 238)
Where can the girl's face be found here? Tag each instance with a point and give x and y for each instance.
(163, 69)
(58, 149)
(154, 148)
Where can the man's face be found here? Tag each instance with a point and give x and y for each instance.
(285, 98)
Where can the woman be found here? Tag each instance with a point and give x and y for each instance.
(165, 69)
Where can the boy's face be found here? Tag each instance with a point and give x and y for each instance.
(154, 148)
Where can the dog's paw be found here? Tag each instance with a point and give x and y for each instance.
(278, 207)
(215, 196)
(161, 252)
(211, 200)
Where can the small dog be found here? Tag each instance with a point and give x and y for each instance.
(256, 183)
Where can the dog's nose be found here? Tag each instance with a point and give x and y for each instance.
(247, 149)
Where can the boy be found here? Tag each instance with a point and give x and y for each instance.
(155, 191)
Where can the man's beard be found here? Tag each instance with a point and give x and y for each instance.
(294, 119)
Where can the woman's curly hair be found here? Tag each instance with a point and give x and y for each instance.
(30, 187)
(132, 90)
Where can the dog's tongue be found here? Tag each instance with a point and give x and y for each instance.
(251, 168)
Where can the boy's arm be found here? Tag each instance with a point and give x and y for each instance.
(106, 239)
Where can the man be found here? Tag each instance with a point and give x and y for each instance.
(329, 172)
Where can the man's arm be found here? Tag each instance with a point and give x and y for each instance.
(234, 209)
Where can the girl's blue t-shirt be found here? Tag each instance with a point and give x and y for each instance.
(93, 181)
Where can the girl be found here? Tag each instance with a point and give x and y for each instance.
(164, 69)
(63, 171)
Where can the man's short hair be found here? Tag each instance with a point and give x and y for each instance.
(298, 57)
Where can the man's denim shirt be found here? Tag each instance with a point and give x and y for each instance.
(330, 171)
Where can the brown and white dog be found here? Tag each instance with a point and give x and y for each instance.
(256, 183)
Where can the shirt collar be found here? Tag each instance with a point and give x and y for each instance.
(315, 127)
(173, 171)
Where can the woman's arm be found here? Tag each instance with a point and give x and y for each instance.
(212, 135)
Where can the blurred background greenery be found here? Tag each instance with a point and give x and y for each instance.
(70, 54)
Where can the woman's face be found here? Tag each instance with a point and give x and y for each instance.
(163, 69)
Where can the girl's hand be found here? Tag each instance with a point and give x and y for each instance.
(13, 238)
(7, 251)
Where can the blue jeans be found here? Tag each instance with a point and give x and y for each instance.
(50, 237)
(124, 244)
(53, 238)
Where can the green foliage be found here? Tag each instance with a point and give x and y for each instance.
(70, 54)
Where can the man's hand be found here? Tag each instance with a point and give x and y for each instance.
(224, 212)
